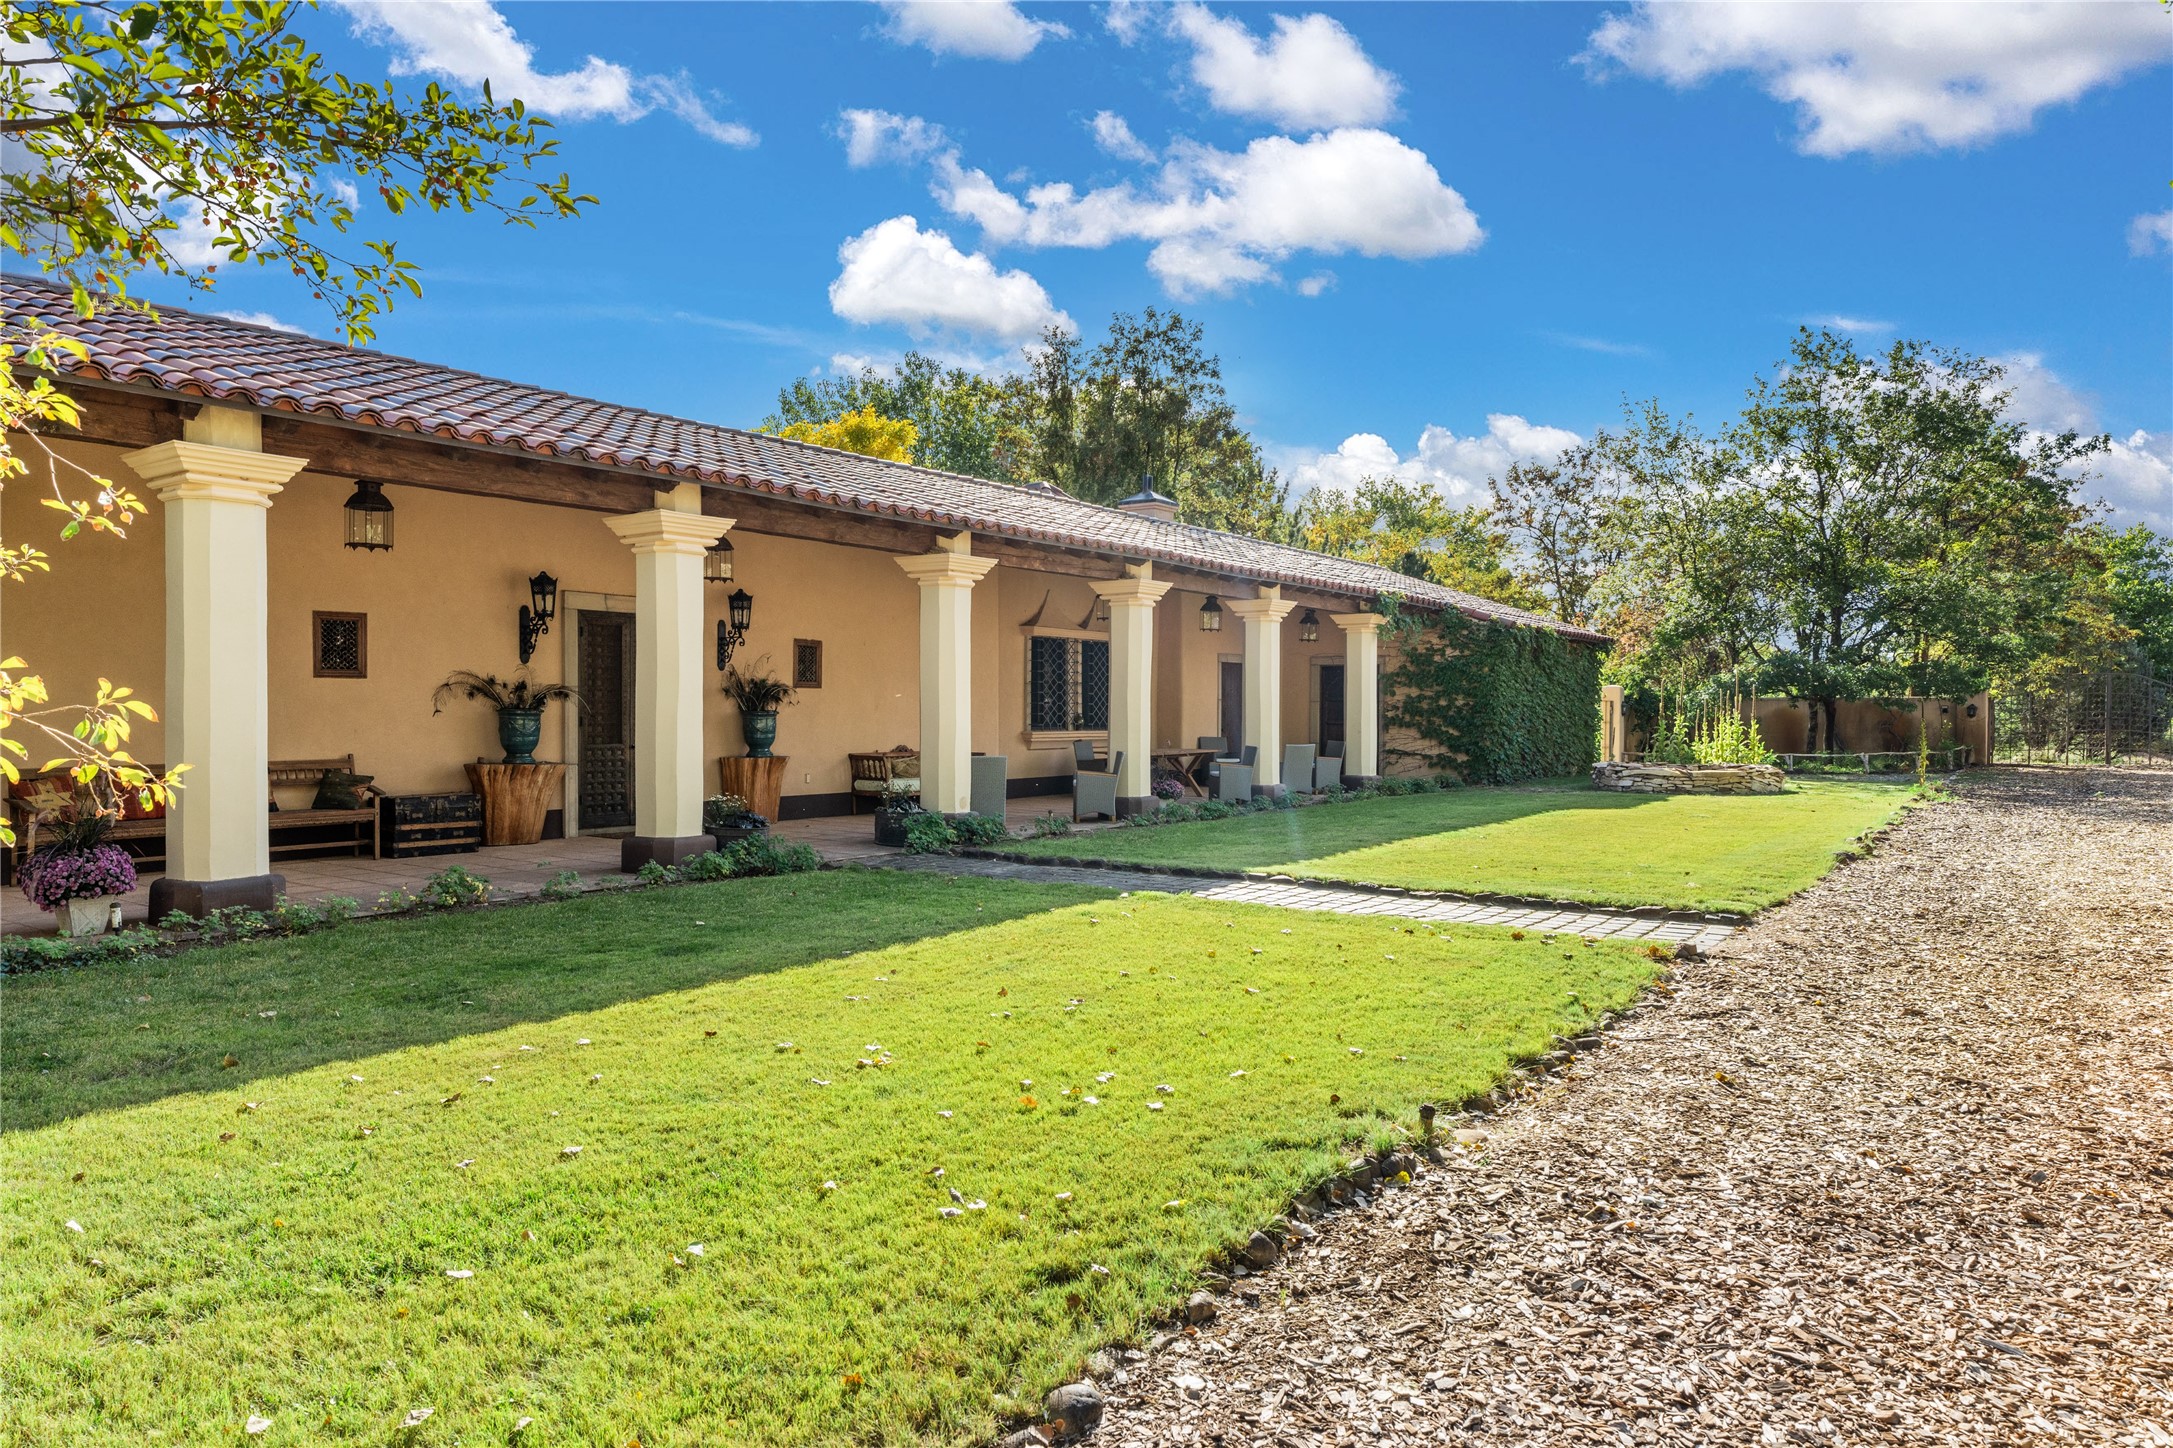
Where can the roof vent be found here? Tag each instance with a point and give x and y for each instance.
(1150, 503)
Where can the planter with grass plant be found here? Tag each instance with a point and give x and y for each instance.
(518, 700)
(759, 695)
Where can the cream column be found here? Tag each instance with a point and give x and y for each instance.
(1263, 618)
(218, 839)
(1131, 601)
(1361, 692)
(946, 578)
(668, 545)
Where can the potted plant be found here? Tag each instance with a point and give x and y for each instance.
(727, 817)
(80, 877)
(518, 700)
(758, 695)
(895, 813)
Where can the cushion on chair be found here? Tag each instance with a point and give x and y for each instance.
(341, 790)
(46, 798)
(900, 783)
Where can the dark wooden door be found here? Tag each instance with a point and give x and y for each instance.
(1233, 706)
(607, 719)
(1331, 709)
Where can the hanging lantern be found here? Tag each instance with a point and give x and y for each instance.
(732, 629)
(369, 518)
(717, 566)
(1211, 615)
(1309, 627)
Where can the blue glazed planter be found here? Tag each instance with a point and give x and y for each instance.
(760, 730)
(518, 732)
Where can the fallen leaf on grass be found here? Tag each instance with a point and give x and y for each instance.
(417, 1417)
(73, 1225)
(569, 1151)
(459, 1274)
(230, 1061)
(257, 1424)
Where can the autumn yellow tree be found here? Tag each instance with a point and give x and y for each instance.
(863, 431)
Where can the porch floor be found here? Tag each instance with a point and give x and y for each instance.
(514, 870)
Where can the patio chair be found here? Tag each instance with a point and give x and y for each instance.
(1248, 756)
(991, 773)
(1233, 781)
(1327, 772)
(1095, 791)
(1298, 767)
(1083, 755)
(1215, 742)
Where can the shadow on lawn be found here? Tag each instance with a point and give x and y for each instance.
(79, 1042)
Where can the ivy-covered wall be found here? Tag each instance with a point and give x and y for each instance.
(1491, 703)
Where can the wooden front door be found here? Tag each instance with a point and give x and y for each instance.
(1331, 709)
(607, 719)
(1233, 706)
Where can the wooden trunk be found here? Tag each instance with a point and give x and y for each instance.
(515, 799)
(760, 782)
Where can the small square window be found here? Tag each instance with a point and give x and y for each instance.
(340, 645)
(807, 663)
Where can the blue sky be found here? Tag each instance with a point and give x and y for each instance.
(1427, 239)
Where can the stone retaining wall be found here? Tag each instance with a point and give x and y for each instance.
(1690, 778)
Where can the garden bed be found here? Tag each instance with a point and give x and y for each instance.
(1689, 778)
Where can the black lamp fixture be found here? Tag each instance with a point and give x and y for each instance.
(732, 629)
(1211, 615)
(369, 518)
(717, 566)
(1309, 627)
(537, 613)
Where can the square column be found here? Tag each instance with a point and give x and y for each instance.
(1131, 603)
(1263, 618)
(668, 547)
(946, 578)
(1361, 693)
(218, 837)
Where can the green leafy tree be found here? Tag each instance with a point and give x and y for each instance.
(963, 422)
(2138, 582)
(1411, 528)
(140, 134)
(1560, 519)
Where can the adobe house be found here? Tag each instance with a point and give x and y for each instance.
(947, 613)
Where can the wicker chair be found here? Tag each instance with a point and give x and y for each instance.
(1327, 772)
(1083, 755)
(1095, 792)
(1246, 759)
(1298, 768)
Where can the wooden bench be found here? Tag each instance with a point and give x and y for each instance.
(345, 827)
(875, 776)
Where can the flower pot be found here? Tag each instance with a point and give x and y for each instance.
(518, 733)
(85, 917)
(890, 827)
(760, 730)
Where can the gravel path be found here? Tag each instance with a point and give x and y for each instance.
(1280, 890)
(1895, 1167)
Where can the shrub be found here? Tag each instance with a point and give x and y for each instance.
(709, 865)
(763, 855)
(975, 829)
(1215, 809)
(562, 886)
(451, 888)
(928, 833)
(1493, 702)
(1049, 826)
(655, 872)
(22, 954)
(1173, 814)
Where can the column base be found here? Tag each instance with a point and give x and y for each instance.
(198, 898)
(1136, 804)
(638, 850)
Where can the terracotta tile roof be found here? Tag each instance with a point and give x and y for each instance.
(195, 355)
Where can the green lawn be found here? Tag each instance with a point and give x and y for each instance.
(276, 1238)
(1558, 842)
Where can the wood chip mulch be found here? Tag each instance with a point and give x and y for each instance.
(1895, 1167)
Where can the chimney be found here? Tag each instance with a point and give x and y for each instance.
(1149, 503)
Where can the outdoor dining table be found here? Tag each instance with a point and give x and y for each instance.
(1186, 765)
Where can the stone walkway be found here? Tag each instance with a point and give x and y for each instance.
(1302, 895)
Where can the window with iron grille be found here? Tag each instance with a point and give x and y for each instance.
(807, 663)
(339, 645)
(1067, 683)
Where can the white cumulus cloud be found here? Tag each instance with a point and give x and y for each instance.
(2151, 234)
(874, 137)
(262, 319)
(1892, 76)
(1456, 465)
(2134, 478)
(978, 29)
(1310, 73)
(1856, 326)
(897, 274)
(469, 43)
(1116, 138)
(1221, 219)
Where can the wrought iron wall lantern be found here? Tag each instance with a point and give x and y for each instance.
(369, 518)
(717, 566)
(1309, 627)
(537, 613)
(1211, 615)
(732, 629)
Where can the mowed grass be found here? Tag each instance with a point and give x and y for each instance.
(1559, 842)
(275, 1238)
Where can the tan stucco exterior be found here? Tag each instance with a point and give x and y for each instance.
(446, 597)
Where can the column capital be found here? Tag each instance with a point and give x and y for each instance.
(944, 569)
(1357, 622)
(199, 470)
(1270, 607)
(1135, 592)
(666, 530)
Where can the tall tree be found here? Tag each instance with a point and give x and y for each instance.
(1411, 528)
(1560, 519)
(963, 422)
(135, 126)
